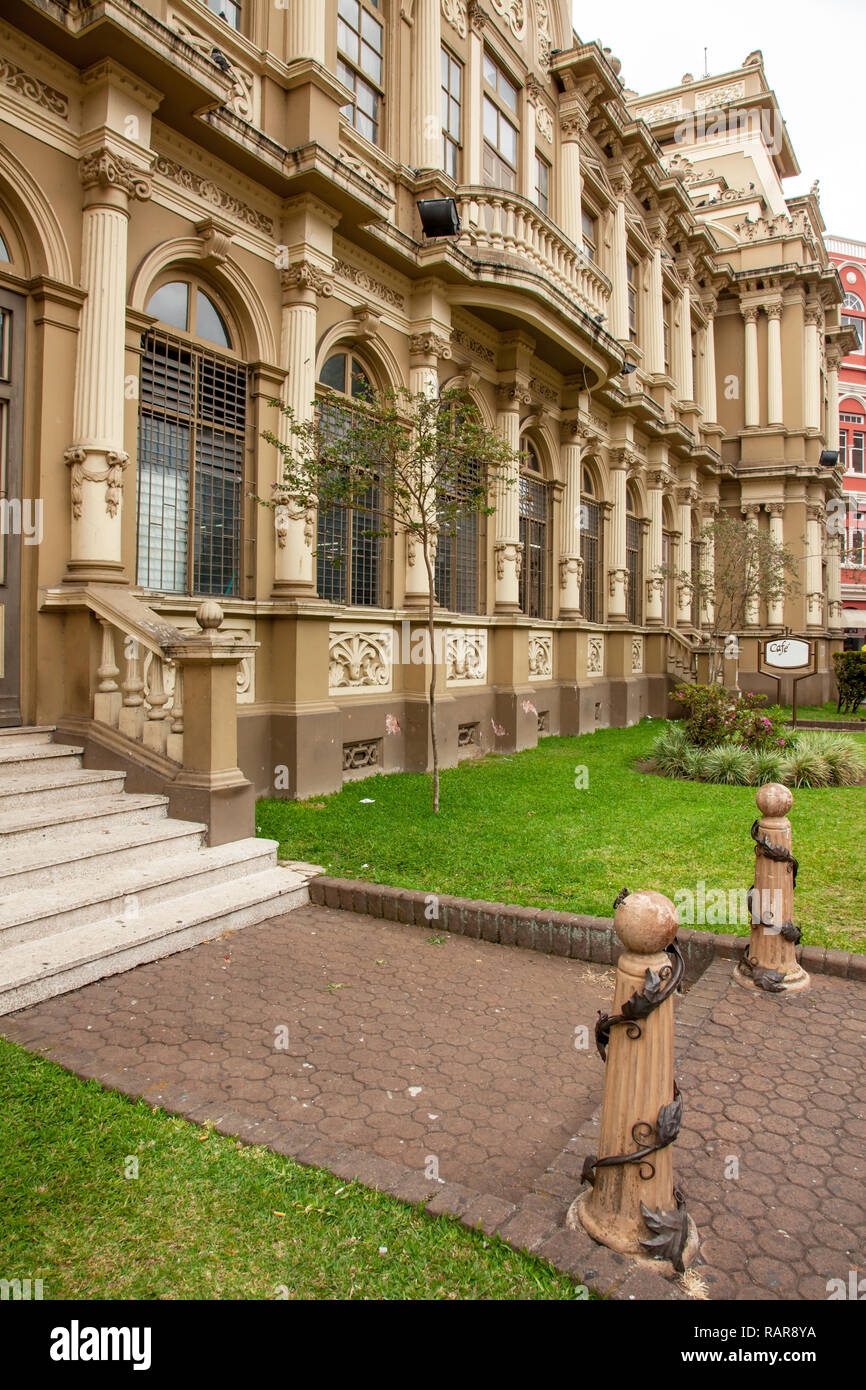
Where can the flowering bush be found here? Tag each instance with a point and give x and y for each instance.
(713, 715)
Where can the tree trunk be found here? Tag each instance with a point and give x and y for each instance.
(434, 744)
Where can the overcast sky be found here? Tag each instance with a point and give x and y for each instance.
(821, 97)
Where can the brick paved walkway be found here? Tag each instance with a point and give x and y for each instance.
(351, 1035)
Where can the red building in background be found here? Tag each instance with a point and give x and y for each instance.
(849, 257)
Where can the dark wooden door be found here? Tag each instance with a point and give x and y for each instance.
(17, 514)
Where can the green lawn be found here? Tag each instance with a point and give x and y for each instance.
(827, 711)
(208, 1217)
(515, 829)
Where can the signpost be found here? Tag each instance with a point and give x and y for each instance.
(790, 656)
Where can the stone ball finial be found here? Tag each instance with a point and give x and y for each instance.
(209, 615)
(773, 799)
(646, 922)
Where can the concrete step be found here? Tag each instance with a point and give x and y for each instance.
(57, 785)
(21, 828)
(64, 858)
(32, 733)
(42, 911)
(17, 756)
(31, 972)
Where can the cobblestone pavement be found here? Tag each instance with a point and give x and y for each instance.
(409, 1046)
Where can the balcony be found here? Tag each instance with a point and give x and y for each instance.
(507, 228)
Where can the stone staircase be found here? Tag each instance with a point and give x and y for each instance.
(95, 880)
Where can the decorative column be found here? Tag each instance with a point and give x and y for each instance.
(812, 369)
(814, 565)
(507, 550)
(686, 496)
(834, 580)
(710, 512)
(685, 375)
(776, 606)
(570, 562)
(425, 350)
(833, 363)
(306, 30)
(477, 21)
(750, 512)
(655, 584)
(775, 413)
(572, 124)
(709, 401)
(294, 524)
(769, 961)
(619, 258)
(620, 462)
(426, 85)
(632, 1204)
(751, 406)
(655, 336)
(96, 458)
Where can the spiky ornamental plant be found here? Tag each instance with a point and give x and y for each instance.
(429, 460)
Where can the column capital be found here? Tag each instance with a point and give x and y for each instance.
(815, 511)
(659, 480)
(814, 314)
(687, 496)
(302, 280)
(476, 15)
(511, 395)
(751, 510)
(749, 312)
(430, 344)
(774, 508)
(103, 169)
(623, 459)
(773, 311)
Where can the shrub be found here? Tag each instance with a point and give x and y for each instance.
(766, 766)
(804, 767)
(670, 750)
(695, 764)
(728, 764)
(850, 669)
(844, 757)
(712, 715)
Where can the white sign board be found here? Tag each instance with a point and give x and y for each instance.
(787, 653)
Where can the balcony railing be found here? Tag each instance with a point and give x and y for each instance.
(497, 223)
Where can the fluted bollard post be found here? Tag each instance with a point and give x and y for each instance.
(632, 1204)
(769, 961)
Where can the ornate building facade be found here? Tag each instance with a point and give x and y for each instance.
(849, 257)
(204, 207)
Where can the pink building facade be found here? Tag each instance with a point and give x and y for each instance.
(849, 257)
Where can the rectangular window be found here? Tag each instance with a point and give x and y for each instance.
(697, 553)
(359, 65)
(634, 565)
(667, 335)
(843, 446)
(857, 325)
(631, 277)
(590, 234)
(499, 112)
(590, 549)
(856, 464)
(452, 86)
(227, 10)
(542, 184)
(534, 530)
(349, 547)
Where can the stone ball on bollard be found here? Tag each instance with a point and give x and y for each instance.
(646, 922)
(209, 615)
(773, 799)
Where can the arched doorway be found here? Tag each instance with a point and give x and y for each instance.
(20, 517)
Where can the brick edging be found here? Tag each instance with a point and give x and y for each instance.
(554, 933)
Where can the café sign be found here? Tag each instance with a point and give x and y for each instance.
(787, 654)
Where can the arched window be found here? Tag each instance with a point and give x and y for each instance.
(590, 550)
(191, 442)
(853, 318)
(349, 553)
(457, 566)
(852, 301)
(634, 560)
(535, 533)
(4, 251)
(857, 549)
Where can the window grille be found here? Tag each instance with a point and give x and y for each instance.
(634, 565)
(697, 566)
(349, 547)
(590, 549)
(535, 540)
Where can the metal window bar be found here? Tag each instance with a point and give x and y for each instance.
(534, 537)
(590, 549)
(350, 554)
(634, 565)
(456, 568)
(191, 443)
(697, 552)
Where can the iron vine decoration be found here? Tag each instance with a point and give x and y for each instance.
(669, 1228)
(772, 981)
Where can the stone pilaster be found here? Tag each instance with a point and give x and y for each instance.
(306, 30)
(686, 498)
(751, 511)
(776, 511)
(572, 124)
(815, 517)
(425, 351)
(751, 405)
(620, 463)
(657, 481)
(507, 550)
(775, 414)
(570, 562)
(426, 85)
(619, 257)
(812, 369)
(655, 335)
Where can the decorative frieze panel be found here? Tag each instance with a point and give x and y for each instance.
(514, 14)
(209, 192)
(359, 659)
(33, 89)
(540, 656)
(466, 656)
(720, 96)
(455, 12)
(595, 656)
(636, 656)
(366, 171)
(366, 282)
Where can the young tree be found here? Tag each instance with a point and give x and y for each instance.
(427, 459)
(742, 568)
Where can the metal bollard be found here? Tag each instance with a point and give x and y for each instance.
(632, 1204)
(769, 961)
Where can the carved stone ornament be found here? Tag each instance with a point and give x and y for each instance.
(102, 169)
(595, 656)
(364, 281)
(33, 89)
(359, 659)
(636, 656)
(455, 13)
(570, 564)
(429, 345)
(514, 14)
(286, 511)
(510, 551)
(616, 577)
(476, 15)
(303, 275)
(540, 656)
(242, 82)
(111, 475)
(466, 656)
(209, 192)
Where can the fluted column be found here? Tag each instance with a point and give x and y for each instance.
(655, 336)
(814, 565)
(570, 562)
(776, 511)
(656, 483)
(306, 30)
(617, 611)
(425, 350)
(685, 375)
(833, 363)
(710, 402)
(426, 85)
(295, 525)
(752, 613)
(572, 124)
(685, 498)
(710, 512)
(477, 21)
(834, 581)
(96, 458)
(508, 556)
(751, 406)
(812, 370)
(775, 415)
(619, 256)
